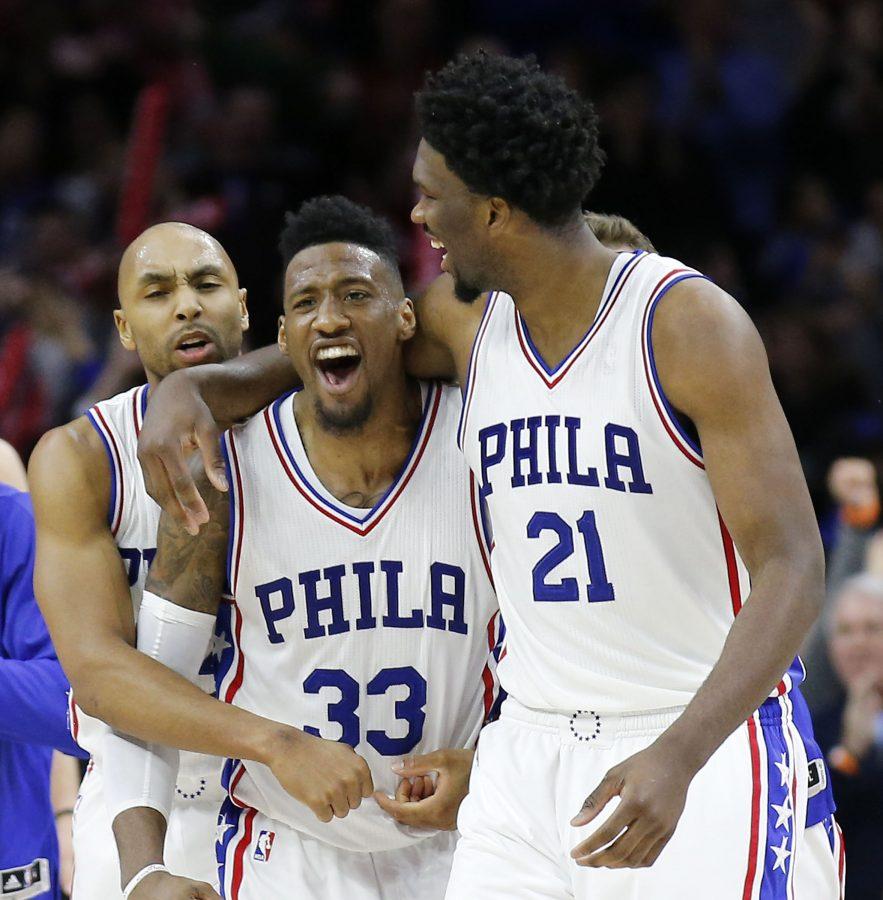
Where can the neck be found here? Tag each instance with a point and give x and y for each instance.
(358, 467)
(557, 282)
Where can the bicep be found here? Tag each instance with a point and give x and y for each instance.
(79, 578)
(714, 369)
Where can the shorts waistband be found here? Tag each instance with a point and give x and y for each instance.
(588, 726)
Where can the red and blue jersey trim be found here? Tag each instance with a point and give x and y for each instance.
(494, 695)
(469, 387)
(676, 431)
(551, 377)
(237, 519)
(117, 490)
(361, 525)
(139, 407)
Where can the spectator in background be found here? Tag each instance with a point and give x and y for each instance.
(850, 730)
(33, 717)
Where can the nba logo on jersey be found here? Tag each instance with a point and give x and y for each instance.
(264, 846)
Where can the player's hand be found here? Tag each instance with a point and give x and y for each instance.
(419, 802)
(864, 703)
(652, 787)
(328, 776)
(178, 421)
(165, 886)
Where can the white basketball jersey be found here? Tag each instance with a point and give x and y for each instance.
(370, 626)
(616, 576)
(133, 519)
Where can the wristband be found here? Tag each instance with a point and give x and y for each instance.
(843, 761)
(68, 811)
(147, 870)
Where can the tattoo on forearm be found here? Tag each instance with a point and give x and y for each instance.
(188, 570)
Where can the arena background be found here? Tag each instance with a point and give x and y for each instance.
(745, 137)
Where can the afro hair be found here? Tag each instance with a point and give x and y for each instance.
(333, 219)
(507, 129)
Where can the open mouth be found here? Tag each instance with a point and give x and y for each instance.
(436, 244)
(195, 348)
(338, 366)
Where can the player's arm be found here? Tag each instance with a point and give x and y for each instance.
(188, 409)
(83, 592)
(713, 368)
(185, 582)
(446, 328)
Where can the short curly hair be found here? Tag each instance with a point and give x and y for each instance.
(510, 130)
(332, 219)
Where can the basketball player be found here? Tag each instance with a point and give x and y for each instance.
(641, 479)
(642, 482)
(180, 305)
(363, 603)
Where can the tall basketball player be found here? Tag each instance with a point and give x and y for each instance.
(180, 305)
(362, 597)
(656, 555)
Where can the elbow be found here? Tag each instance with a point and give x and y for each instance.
(810, 565)
(94, 679)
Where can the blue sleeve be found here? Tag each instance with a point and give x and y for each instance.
(33, 687)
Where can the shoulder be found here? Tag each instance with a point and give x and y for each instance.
(705, 344)
(70, 463)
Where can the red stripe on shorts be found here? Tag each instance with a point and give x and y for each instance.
(239, 855)
(755, 810)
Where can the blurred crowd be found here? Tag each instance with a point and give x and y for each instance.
(744, 137)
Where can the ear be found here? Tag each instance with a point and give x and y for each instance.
(281, 338)
(125, 332)
(243, 309)
(499, 214)
(408, 320)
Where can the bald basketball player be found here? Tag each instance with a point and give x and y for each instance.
(180, 305)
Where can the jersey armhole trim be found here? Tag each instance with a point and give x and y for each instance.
(234, 536)
(480, 526)
(684, 441)
(115, 507)
(469, 387)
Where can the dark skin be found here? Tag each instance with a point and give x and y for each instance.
(336, 295)
(714, 371)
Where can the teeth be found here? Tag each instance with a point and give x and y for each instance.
(336, 352)
(436, 245)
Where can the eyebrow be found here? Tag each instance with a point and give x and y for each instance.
(344, 282)
(201, 272)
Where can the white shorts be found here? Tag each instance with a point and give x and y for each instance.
(741, 836)
(263, 859)
(189, 850)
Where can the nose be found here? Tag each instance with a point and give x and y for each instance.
(330, 317)
(189, 306)
(417, 216)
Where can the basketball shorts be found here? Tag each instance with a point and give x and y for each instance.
(262, 859)
(742, 835)
(190, 840)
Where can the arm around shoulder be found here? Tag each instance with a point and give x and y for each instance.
(446, 329)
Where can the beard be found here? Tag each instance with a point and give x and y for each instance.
(344, 421)
(465, 292)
